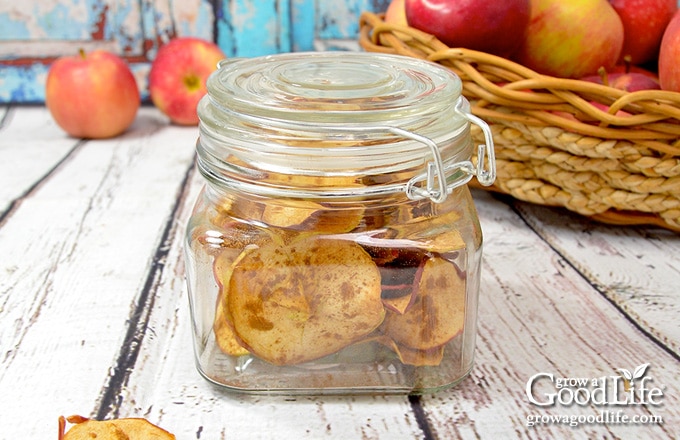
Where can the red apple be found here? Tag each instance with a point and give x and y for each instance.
(178, 75)
(626, 67)
(605, 108)
(669, 54)
(628, 81)
(496, 27)
(396, 13)
(571, 39)
(644, 22)
(92, 95)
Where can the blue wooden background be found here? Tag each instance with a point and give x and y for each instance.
(35, 32)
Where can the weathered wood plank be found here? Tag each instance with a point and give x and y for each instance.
(522, 317)
(34, 32)
(337, 23)
(538, 314)
(51, 28)
(303, 26)
(637, 268)
(166, 387)
(97, 245)
(247, 29)
(31, 145)
(68, 286)
(135, 29)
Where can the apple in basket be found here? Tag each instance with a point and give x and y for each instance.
(669, 54)
(495, 27)
(644, 22)
(629, 81)
(396, 13)
(571, 39)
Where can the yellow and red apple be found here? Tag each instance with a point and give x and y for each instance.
(92, 95)
(644, 22)
(496, 27)
(396, 13)
(572, 38)
(669, 54)
(178, 75)
(630, 80)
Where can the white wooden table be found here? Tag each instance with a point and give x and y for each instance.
(94, 316)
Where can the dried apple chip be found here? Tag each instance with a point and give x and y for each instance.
(295, 303)
(118, 429)
(224, 334)
(311, 216)
(90, 429)
(400, 273)
(446, 242)
(418, 358)
(142, 429)
(438, 312)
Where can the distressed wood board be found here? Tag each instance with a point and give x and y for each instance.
(94, 316)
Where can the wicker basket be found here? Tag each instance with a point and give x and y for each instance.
(554, 146)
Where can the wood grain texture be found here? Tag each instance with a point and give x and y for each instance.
(33, 145)
(636, 268)
(67, 286)
(538, 314)
(34, 32)
(165, 385)
(94, 315)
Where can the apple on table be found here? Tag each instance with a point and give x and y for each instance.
(178, 75)
(92, 95)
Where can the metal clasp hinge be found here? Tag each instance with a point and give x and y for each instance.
(436, 185)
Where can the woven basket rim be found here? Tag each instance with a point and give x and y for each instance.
(623, 148)
(652, 116)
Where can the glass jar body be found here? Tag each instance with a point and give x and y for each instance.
(318, 296)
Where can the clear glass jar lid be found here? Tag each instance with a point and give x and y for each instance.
(352, 123)
(334, 87)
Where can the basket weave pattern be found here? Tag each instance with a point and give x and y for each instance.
(554, 145)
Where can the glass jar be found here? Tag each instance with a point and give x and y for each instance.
(335, 247)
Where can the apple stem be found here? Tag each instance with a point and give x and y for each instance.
(627, 61)
(81, 52)
(603, 74)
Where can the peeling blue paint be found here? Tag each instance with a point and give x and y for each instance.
(58, 25)
(242, 28)
(340, 20)
(11, 29)
(23, 84)
(247, 28)
(202, 27)
(129, 40)
(303, 23)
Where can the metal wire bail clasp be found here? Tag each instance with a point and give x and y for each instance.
(437, 184)
(485, 152)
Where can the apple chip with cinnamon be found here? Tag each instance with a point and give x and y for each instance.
(118, 429)
(305, 215)
(305, 300)
(224, 334)
(297, 215)
(437, 313)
